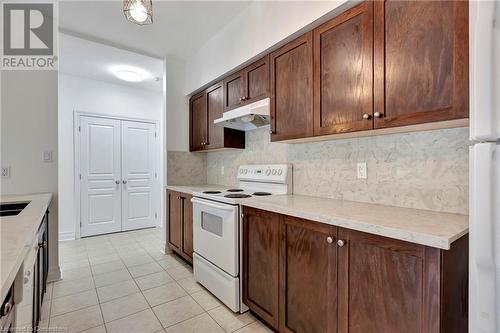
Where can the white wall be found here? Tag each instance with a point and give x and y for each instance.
(177, 105)
(96, 97)
(29, 127)
(256, 29)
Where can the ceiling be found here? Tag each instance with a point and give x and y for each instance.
(97, 61)
(180, 27)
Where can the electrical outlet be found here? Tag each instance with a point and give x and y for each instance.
(6, 172)
(222, 170)
(361, 168)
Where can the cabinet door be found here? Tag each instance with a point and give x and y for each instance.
(215, 108)
(386, 285)
(198, 122)
(187, 227)
(174, 214)
(257, 80)
(343, 72)
(234, 91)
(292, 90)
(308, 277)
(261, 237)
(421, 62)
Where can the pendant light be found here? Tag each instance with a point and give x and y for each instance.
(138, 11)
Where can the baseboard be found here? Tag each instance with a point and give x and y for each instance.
(54, 274)
(66, 236)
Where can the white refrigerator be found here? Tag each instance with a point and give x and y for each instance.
(484, 171)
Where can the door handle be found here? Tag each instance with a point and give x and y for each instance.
(124, 182)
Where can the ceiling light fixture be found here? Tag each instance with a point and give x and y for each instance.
(138, 11)
(130, 76)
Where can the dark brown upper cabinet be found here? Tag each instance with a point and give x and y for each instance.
(292, 90)
(204, 135)
(198, 121)
(421, 62)
(234, 91)
(215, 109)
(343, 72)
(248, 85)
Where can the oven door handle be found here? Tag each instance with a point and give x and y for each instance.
(213, 205)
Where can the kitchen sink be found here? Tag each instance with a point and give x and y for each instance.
(12, 209)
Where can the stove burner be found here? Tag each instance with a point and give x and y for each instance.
(235, 190)
(237, 196)
(261, 193)
(212, 192)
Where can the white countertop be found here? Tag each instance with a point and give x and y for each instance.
(195, 188)
(17, 234)
(418, 226)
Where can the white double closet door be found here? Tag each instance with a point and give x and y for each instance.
(118, 175)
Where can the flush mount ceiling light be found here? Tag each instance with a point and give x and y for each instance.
(138, 11)
(128, 75)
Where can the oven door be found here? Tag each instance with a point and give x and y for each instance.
(215, 233)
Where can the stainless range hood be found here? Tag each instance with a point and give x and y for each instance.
(247, 117)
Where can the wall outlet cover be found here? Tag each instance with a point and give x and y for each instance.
(361, 170)
(6, 172)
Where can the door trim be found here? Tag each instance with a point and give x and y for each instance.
(76, 164)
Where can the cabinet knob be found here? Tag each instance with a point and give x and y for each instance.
(366, 116)
(124, 182)
(6, 309)
(377, 115)
(329, 240)
(340, 242)
(26, 280)
(117, 182)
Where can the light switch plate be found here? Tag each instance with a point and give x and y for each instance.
(6, 172)
(47, 156)
(361, 168)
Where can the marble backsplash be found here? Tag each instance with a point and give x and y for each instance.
(184, 168)
(425, 170)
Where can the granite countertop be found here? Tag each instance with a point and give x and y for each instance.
(418, 226)
(17, 234)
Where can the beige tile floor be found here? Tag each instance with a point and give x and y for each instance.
(123, 283)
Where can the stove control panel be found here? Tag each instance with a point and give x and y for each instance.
(272, 173)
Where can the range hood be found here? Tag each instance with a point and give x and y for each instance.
(247, 117)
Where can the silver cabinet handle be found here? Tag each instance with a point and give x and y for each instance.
(366, 116)
(117, 182)
(340, 242)
(377, 115)
(329, 240)
(124, 182)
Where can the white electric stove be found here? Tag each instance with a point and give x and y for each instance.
(217, 228)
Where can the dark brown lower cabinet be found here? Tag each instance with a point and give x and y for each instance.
(308, 277)
(187, 227)
(180, 224)
(261, 240)
(333, 279)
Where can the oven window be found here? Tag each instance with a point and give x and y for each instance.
(211, 223)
